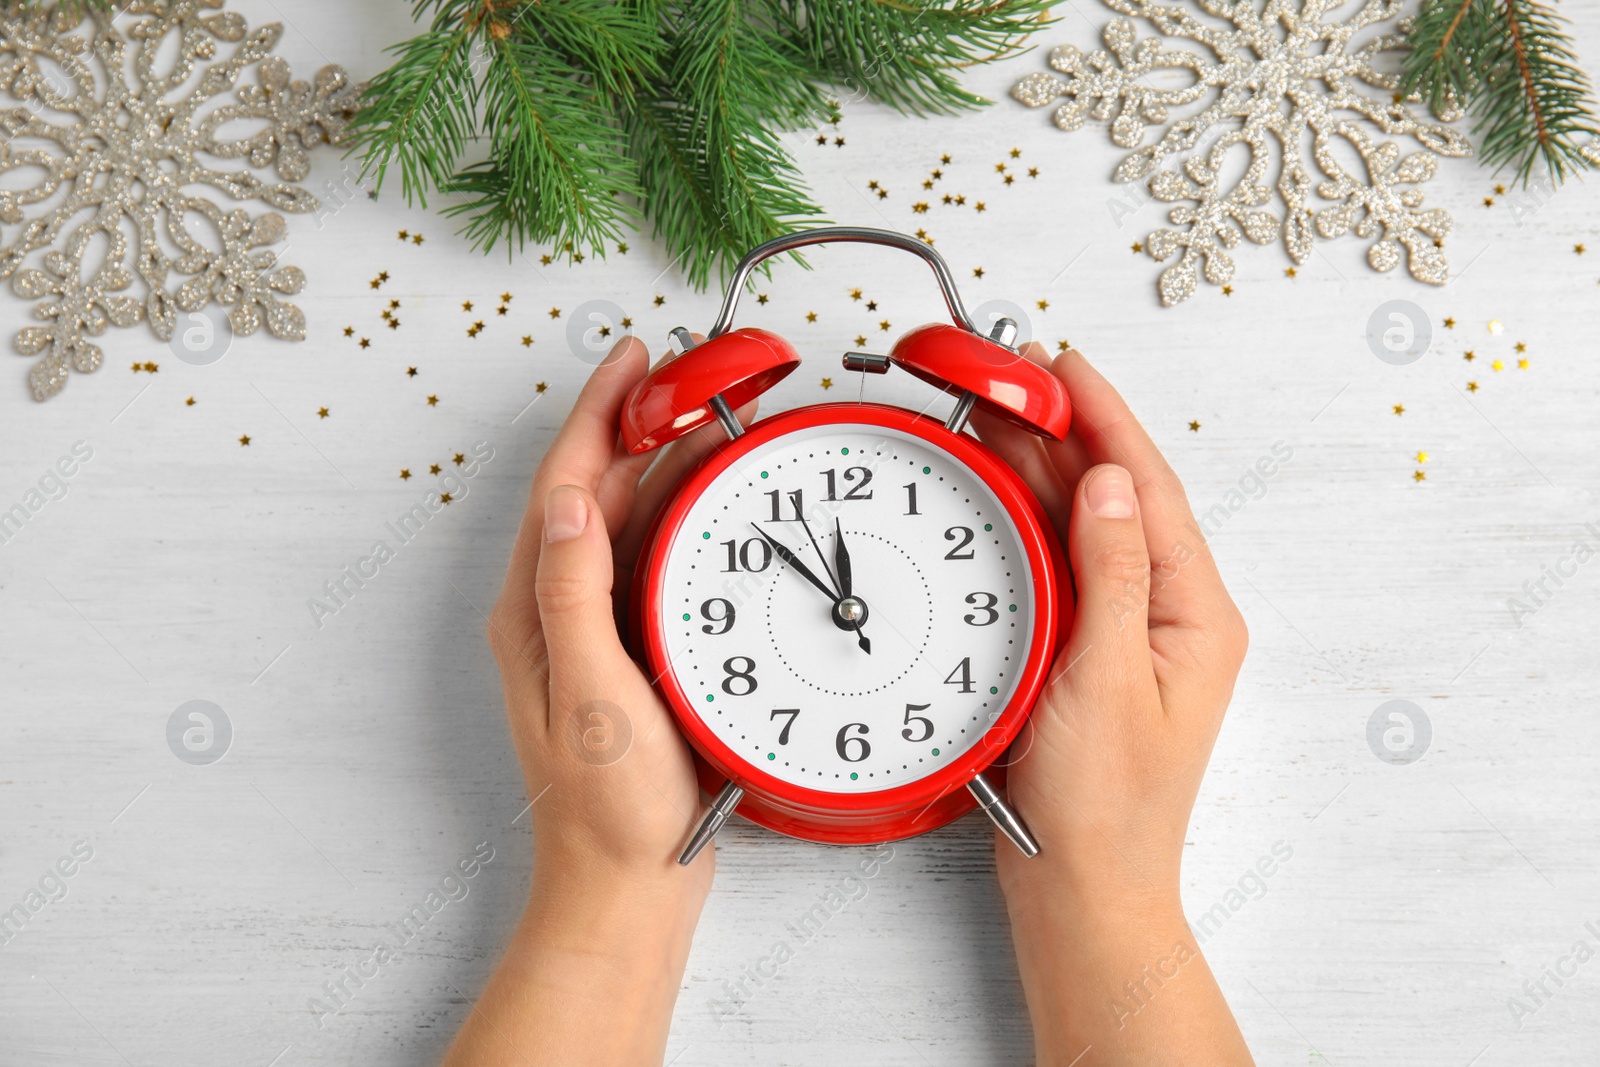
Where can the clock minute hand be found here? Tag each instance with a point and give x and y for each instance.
(793, 561)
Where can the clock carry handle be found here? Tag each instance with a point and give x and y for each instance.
(732, 367)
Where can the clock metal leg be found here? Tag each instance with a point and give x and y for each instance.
(681, 340)
(1001, 815)
(1003, 332)
(721, 808)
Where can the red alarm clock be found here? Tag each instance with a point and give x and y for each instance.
(849, 608)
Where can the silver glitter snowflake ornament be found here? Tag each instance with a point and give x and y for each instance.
(1275, 73)
(120, 115)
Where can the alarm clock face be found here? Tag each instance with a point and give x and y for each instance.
(856, 671)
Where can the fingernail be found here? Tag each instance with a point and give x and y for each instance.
(565, 514)
(1110, 493)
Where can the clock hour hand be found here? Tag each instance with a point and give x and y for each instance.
(793, 561)
(841, 568)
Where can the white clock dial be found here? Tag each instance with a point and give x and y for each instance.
(798, 680)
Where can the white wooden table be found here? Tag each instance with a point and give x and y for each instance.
(368, 755)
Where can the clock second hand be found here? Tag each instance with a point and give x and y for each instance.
(792, 560)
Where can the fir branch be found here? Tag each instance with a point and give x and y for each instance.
(592, 115)
(1511, 64)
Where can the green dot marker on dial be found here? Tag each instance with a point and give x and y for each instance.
(772, 755)
(845, 452)
(994, 689)
(988, 526)
(709, 698)
(927, 470)
(763, 474)
(854, 776)
(935, 752)
(686, 616)
(706, 535)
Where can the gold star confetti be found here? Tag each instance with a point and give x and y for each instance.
(945, 159)
(386, 315)
(1010, 178)
(540, 387)
(1399, 409)
(245, 439)
(960, 200)
(411, 372)
(920, 207)
(405, 474)
(884, 325)
(1000, 168)
(838, 142)
(605, 331)
(660, 300)
(349, 331)
(1422, 457)
(394, 303)
(937, 174)
(375, 283)
(1488, 201)
(466, 305)
(505, 298)
(394, 324)
(1419, 476)
(977, 272)
(1500, 190)
(979, 207)
(365, 343)
(1580, 249)
(1290, 272)
(811, 316)
(1194, 427)
(416, 238)
(948, 199)
(459, 458)
(1062, 346)
(1137, 247)
(383, 276)
(872, 184)
(855, 294)
(622, 249)
(1496, 327)
(434, 468)
(822, 138)
(404, 235)
(1227, 290)
(860, 340)
(1033, 172)
(1015, 152)
(1522, 364)
(555, 313)
(922, 235)
(137, 367)
(883, 194)
(322, 413)
(189, 403)
(1520, 346)
(544, 260)
(872, 305)
(433, 400)
(927, 183)
(1469, 355)
(761, 298)
(1044, 305)
(527, 340)
(827, 383)
(1472, 387)
(1497, 366)
(445, 498)
(1449, 324)
(627, 323)
(151, 367)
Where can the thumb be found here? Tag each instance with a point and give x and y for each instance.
(573, 587)
(1111, 566)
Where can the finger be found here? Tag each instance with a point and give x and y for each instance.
(1024, 453)
(1187, 586)
(1111, 566)
(573, 587)
(583, 452)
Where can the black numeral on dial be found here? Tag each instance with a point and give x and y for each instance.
(795, 498)
(964, 669)
(860, 475)
(985, 603)
(911, 498)
(962, 534)
(754, 555)
(793, 713)
(725, 618)
(844, 739)
(745, 675)
(927, 724)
